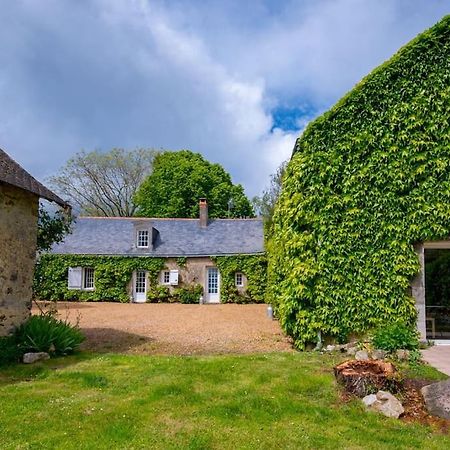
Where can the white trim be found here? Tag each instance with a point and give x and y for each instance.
(211, 297)
(162, 277)
(142, 236)
(440, 341)
(236, 283)
(140, 297)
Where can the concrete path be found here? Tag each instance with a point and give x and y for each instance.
(438, 356)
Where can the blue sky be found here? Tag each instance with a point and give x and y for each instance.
(236, 81)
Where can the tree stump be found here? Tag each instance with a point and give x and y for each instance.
(367, 377)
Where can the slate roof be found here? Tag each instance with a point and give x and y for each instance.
(12, 173)
(176, 237)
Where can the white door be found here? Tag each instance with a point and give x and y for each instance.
(212, 291)
(140, 286)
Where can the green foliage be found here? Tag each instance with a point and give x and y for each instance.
(52, 228)
(254, 268)
(112, 276)
(46, 333)
(189, 294)
(367, 180)
(396, 336)
(180, 179)
(265, 204)
(10, 351)
(181, 261)
(158, 293)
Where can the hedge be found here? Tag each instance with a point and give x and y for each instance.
(367, 180)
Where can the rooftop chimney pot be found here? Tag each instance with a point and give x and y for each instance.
(203, 206)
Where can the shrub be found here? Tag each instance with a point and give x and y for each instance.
(157, 294)
(46, 333)
(396, 336)
(189, 294)
(10, 351)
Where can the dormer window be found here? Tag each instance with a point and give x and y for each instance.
(142, 238)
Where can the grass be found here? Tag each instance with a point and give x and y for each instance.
(286, 401)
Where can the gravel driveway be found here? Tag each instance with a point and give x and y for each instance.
(176, 329)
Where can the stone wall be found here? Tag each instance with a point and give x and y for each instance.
(18, 231)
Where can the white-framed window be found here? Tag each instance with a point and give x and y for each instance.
(239, 279)
(88, 278)
(165, 277)
(81, 278)
(142, 238)
(169, 277)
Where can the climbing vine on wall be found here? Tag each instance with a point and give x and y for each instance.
(112, 276)
(367, 180)
(254, 268)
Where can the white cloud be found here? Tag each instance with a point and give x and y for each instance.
(197, 75)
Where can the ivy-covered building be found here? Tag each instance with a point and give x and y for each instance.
(144, 259)
(365, 196)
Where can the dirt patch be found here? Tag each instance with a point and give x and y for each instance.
(174, 328)
(415, 409)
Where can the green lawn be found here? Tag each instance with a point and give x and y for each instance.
(132, 402)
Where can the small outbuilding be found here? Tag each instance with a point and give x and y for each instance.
(19, 205)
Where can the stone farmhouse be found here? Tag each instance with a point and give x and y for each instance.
(147, 259)
(19, 204)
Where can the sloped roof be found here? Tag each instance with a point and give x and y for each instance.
(12, 173)
(177, 237)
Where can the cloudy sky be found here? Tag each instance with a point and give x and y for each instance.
(234, 80)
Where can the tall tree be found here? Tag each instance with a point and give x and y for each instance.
(177, 182)
(52, 227)
(265, 204)
(103, 184)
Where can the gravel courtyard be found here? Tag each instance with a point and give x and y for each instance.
(174, 328)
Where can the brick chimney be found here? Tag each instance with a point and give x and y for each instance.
(203, 206)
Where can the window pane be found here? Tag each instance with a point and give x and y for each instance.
(140, 282)
(88, 278)
(142, 238)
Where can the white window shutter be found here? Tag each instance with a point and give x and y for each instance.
(75, 278)
(173, 278)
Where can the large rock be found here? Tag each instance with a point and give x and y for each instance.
(361, 355)
(437, 398)
(30, 358)
(384, 403)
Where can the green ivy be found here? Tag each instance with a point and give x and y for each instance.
(112, 276)
(181, 261)
(367, 180)
(254, 267)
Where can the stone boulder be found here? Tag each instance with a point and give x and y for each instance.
(385, 403)
(361, 355)
(437, 398)
(30, 358)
